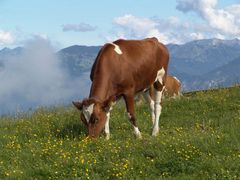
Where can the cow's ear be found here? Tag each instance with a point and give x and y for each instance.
(77, 104)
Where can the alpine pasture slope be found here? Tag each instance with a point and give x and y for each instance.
(199, 138)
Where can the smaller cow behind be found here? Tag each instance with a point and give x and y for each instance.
(172, 87)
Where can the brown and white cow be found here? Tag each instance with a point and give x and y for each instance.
(122, 69)
(172, 87)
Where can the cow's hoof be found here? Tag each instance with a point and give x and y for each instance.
(107, 136)
(155, 132)
(138, 136)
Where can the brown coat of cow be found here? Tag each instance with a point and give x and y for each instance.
(122, 69)
(172, 87)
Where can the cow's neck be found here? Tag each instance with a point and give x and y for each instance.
(101, 89)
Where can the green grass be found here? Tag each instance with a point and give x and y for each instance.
(199, 139)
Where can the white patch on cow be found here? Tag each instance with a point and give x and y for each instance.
(160, 75)
(151, 103)
(129, 115)
(157, 109)
(137, 132)
(87, 111)
(117, 48)
(107, 130)
(176, 78)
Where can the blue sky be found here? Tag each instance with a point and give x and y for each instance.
(66, 23)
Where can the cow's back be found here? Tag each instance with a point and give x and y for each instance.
(138, 64)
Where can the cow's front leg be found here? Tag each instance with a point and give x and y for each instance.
(151, 103)
(106, 129)
(129, 100)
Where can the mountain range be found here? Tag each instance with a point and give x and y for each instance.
(78, 59)
(199, 64)
(204, 64)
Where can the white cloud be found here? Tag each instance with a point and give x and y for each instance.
(170, 30)
(155, 33)
(41, 36)
(134, 23)
(136, 27)
(82, 27)
(35, 77)
(235, 10)
(219, 36)
(6, 37)
(130, 26)
(226, 20)
(197, 35)
(217, 23)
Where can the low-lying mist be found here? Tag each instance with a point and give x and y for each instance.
(36, 78)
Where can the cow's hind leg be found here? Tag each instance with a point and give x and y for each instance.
(159, 88)
(129, 100)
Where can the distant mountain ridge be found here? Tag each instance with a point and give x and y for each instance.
(199, 64)
(7, 53)
(202, 56)
(196, 62)
(78, 59)
(222, 76)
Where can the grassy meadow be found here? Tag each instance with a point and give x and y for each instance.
(199, 139)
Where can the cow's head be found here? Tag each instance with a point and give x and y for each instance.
(93, 115)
